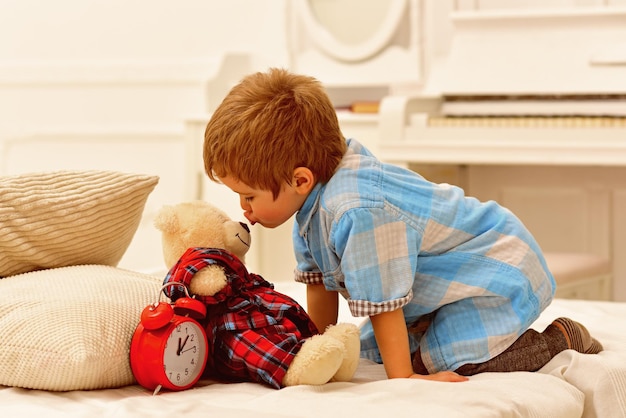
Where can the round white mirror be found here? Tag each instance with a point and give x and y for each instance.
(351, 30)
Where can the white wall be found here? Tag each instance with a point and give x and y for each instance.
(76, 75)
(134, 71)
(101, 30)
(110, 84)
(49, 47)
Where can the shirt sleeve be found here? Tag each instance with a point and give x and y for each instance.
(378, 252)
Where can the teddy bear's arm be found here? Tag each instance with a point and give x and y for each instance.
(208, 281)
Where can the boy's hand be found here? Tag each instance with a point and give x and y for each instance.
(441, 377)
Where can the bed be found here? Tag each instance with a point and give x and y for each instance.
(89, 303)
(571, 385)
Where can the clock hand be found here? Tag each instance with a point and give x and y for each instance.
(190, 348)
(180, 347)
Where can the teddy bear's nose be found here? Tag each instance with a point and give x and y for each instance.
(244, 226)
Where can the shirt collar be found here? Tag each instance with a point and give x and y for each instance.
(304, 215)
(311, 204)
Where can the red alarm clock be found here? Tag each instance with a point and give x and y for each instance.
(169, 348)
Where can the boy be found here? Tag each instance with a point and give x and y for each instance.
(450, 284)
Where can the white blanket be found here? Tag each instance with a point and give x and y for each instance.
(602, 377)
(511, 394)
(571, 385)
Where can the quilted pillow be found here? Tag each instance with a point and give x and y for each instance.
(70, 328)
(63, 218)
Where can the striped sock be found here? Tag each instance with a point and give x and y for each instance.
(577, 336)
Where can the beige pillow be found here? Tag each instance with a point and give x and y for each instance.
(56, 219)
(70, 328)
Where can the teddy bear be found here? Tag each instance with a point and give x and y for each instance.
(255, 333)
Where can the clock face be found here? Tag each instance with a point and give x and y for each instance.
(183, 357)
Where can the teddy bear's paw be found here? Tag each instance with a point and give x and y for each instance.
(316, 363)
(349, 336)
(208, 281)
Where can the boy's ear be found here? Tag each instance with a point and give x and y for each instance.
(303, 180)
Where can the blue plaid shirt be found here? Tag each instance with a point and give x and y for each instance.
(386, 238)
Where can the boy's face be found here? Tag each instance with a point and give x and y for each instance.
(259, 205)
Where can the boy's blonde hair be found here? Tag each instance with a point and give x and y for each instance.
(268, 125)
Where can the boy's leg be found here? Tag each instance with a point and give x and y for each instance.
(532, 350)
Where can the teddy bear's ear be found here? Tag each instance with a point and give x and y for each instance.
(166, 220)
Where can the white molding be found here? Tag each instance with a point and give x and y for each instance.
(94, 135)
(482, 15)
(583, 147)
(619, 243)
(104, 72)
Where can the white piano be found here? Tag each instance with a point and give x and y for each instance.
(523, 86)
(528, 107)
